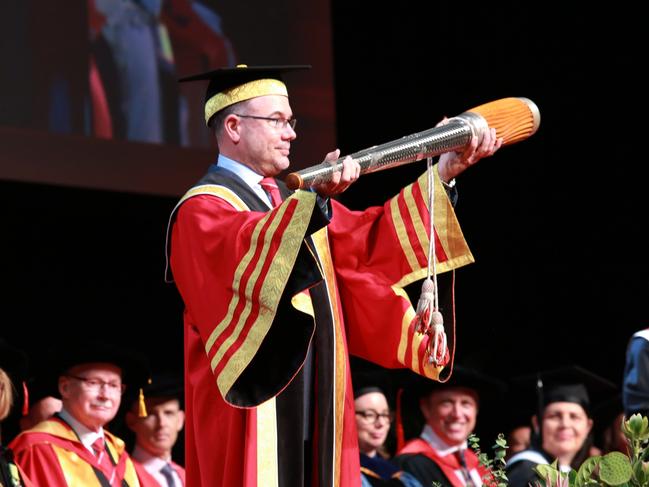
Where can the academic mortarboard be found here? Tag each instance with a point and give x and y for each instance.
(566, 384)
(162, 385)
(485, 386)
(368, 377)
(134, 366)
(228, 86)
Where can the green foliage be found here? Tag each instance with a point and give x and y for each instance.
(613, 469)
(496, 466)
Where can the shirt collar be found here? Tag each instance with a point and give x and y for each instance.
(86, 436)
(250, 177)
(148, 459)
(244, 172)
(442, 448)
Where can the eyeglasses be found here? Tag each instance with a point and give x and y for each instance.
(95, 385)
(275, 122)
(370, 416)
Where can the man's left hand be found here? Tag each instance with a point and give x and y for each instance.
(451, 164)
(340, 180)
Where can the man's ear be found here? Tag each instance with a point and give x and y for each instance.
(231, 128)
(64, 387)
(181, 419)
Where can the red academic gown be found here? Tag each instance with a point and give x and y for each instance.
(449, 465)
(252, 281)
(147, 480)
(52, 455)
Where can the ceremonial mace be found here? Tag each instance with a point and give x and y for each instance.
(514, 119)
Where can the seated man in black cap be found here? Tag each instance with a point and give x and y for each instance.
(73, 448)
(562, 426)
(157, 432)
(450, 410)
(279, 287)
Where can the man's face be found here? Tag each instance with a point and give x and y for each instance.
(91, 393)
(263, 147)
(158, 432)
(519, 439)
(451, 413)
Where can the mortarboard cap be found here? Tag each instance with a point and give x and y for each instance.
(566, 384)
(485, 386)
(134, 367)
(368, 377)
(162, 385)
(228, 86)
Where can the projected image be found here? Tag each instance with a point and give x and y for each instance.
(109, 68)
(94, 85)
(137, 50)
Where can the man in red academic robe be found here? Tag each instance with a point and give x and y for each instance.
(279, 290)
(73, 448)
(450, 410)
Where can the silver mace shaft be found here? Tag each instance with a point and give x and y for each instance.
(514, 119)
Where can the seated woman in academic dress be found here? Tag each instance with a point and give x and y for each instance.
(562, 426)
(373, 419)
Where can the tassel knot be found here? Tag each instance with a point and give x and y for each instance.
(429, 321)
(425, 306)
(437, 350)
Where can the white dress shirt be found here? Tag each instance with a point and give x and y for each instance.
(250, 177)
(86, 436)
(443, 449)
(153, 465)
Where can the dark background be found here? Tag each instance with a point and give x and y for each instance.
(556, 223)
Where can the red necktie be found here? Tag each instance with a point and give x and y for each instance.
(105, 464)
(270, 186)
